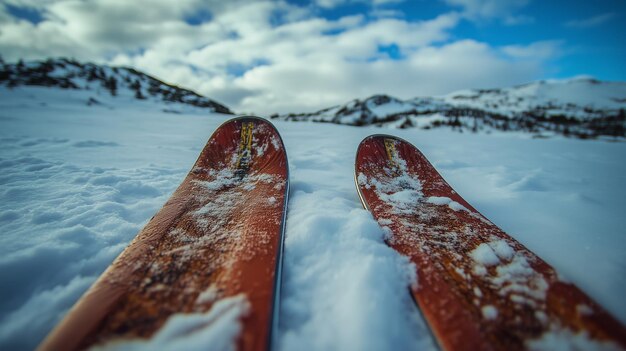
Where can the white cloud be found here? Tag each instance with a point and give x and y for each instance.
(92, 29)
(271, 56)
(591, 21)
(428, 70)
(541, 50)
(328, 4)
(504, 10)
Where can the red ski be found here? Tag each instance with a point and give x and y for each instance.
(478, 288)
(214, 247)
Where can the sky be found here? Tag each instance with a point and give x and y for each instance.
(285, 56)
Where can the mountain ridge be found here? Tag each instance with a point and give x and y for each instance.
(580, 107)
(70, 74)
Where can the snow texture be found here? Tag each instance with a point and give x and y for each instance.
(514, 276)
(490, 254)
(484, 255)
(440, 200)
(489, 312)
(78, 182)
(219, 328)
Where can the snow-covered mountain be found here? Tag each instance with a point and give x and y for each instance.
(102, 80)
(580, 107)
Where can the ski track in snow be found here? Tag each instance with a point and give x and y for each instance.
(77, 183)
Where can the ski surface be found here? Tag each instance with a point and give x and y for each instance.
(217, 242)
(478, 288)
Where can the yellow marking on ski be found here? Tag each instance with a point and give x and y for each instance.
(392, 153)
(245, 144)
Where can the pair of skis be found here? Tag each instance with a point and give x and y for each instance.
(219, 238)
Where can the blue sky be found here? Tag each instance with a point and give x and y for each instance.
(292, 55)
(591, 32)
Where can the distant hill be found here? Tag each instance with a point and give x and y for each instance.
(579, 107)
(117, 81)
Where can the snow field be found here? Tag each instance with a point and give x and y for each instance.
(62, 224)
(77, 183)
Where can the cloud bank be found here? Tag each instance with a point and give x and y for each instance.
(273, 56)
(590, 22)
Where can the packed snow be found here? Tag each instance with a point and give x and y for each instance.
(442, 200)
(483, 254)
(78, 182)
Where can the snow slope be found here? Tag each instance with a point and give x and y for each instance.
(77, 182)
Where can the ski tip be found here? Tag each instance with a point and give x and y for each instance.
(382, 137)
(250, 118)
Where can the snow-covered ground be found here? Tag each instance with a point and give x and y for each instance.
(77, 182)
